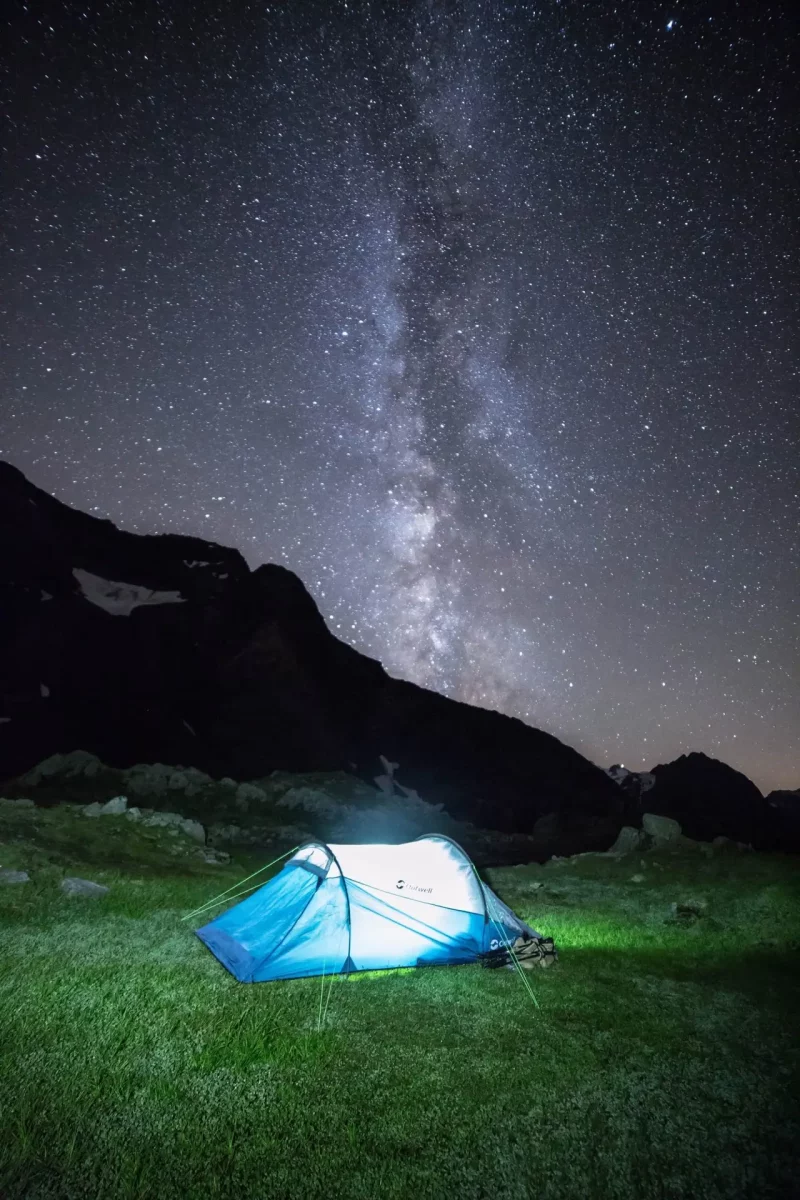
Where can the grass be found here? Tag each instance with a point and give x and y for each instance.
(661, 1063)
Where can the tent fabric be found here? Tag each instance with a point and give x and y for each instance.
(340, 908)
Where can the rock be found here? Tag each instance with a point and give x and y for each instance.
(686, 912)
(722, 841)
(19, 803)
(188, 780)
(192, 829)
(214, 857)
(72, 886)
(227, 782)
(77, 762)
(247, 792)
(9, 876)
(637, 878)
(114, 807)
(134, 813)
(92, 810)
(661, 829)
(628, 840)
(311, 800)
(225, 833)
(148, 779)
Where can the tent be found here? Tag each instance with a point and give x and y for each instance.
(338, 909)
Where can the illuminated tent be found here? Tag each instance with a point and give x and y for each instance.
(363, 908)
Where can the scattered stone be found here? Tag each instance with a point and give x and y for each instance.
(661, 829)
(628, 840)
(9, 876)
(21, 803)
(637, 878)
(114, 807)
(192, 829)
(134, 813)
(216, 858)
(73, 886)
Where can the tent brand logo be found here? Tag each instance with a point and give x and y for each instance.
(411, 887)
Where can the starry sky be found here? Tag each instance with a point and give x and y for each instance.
(481, 317)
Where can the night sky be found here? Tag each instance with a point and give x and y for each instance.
(480, 317)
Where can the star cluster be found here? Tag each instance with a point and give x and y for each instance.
(480, 317)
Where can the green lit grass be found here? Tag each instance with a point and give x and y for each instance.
(662, 1061)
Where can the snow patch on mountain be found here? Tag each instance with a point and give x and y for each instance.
(644, 779)
(120, 599)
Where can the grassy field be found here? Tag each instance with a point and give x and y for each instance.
(661, 1061)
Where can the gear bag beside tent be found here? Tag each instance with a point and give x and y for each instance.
(363, 908)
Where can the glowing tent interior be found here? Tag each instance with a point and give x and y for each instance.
(338, 909)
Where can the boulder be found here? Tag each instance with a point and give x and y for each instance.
(148, 779)
(247, 793)
(77, 762)
(188, 780)
(662, 830)
(114, 807)
(92, 810)
(134, 813)
(21, 802)
(9, 876)
(73, 886)
(628, 840)
(312, 801)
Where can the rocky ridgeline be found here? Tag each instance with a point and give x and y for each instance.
(219, 816)
(709, 799)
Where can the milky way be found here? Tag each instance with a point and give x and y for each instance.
(482, 318)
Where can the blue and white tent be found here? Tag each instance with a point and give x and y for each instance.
(363, 908)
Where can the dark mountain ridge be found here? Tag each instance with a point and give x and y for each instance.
(165, 648)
